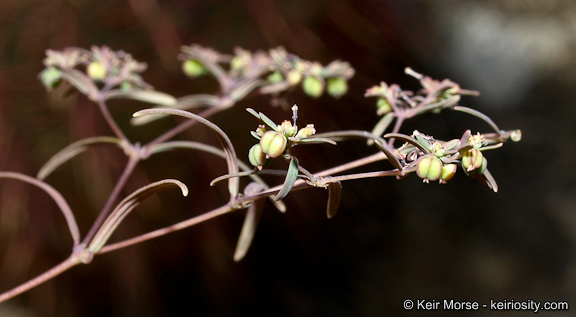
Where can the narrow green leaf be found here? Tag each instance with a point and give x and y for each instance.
(334, 194)
(291, 177)
(144, 95)
(423, 141)
(124, 208)
(391, 157)
(315, 140)
(250, 222)
(253, 112)
(269, 122)
(254, 134)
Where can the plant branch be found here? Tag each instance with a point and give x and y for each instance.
(53, 272)
(133, 159)
(108, 117)
(163, 231)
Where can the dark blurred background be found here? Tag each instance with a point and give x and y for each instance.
(391, 240)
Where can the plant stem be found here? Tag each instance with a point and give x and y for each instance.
(133, 159)
(108, 117)
(300, 184)
(53, 272)
(175, 227)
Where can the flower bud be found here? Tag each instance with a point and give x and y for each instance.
(193, 68)
(429, 168)
(313, 86)
(273, 143)
(96, 70)
(473, 160)
(294, 77)
(337, 87)
(256, 156)
(287, 129)
(448, 171)
(239, 62)
(306, 132)
(51, 77)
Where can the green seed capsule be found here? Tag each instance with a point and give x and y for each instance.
(448, 171)
(313, 86)
(273, 143)
(193, 68)
(429, 168)
(51, 77)
(96, 70)
(275, 77)
(336, 87)
(256, 156)
(473, 160)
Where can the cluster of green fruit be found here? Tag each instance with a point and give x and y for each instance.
(279, 68)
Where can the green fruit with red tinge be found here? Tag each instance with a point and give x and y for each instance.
(448, 171)
(429, 168)
(273, 143)
(473, 162)
(256, 156)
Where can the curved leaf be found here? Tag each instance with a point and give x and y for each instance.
(72, 150)
(231, 160)
(145, 95)
(408, 139)
(479, 115)
(313, 140)
(184, 103)
(166, 146)
(56, 196)
(291, 177)
(82, 82)
(489, 180)
(250, 222)
(391, 157)
(334, 195)
(124, 208)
